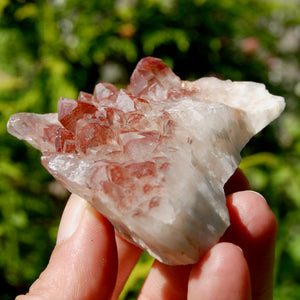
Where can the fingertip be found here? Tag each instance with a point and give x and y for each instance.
(215, 260)
(250, 210)
(222, 272)
(166, 282)
(71, 218)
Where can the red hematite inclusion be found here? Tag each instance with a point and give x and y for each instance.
(120, 129)
(106, 116)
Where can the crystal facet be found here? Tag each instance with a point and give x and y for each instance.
(154, 158)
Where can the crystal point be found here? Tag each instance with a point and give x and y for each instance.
(154, 158)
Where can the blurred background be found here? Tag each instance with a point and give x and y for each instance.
(55, 48)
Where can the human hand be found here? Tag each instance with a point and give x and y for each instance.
(90, 261)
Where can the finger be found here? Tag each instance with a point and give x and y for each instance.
(83, 264)
(221, 274)
(253, 228)
(165, 282)
(128, 256)
(237, 182)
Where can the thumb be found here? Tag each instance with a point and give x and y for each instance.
(83, 264)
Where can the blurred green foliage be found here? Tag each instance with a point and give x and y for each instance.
(55, 48)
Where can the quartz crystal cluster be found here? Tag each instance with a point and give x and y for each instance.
(154, 157)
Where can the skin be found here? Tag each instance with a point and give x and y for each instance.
(90, 261)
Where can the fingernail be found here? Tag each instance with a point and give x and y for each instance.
(71, 218)
(257, 194)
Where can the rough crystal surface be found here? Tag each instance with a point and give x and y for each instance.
(154, 157)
